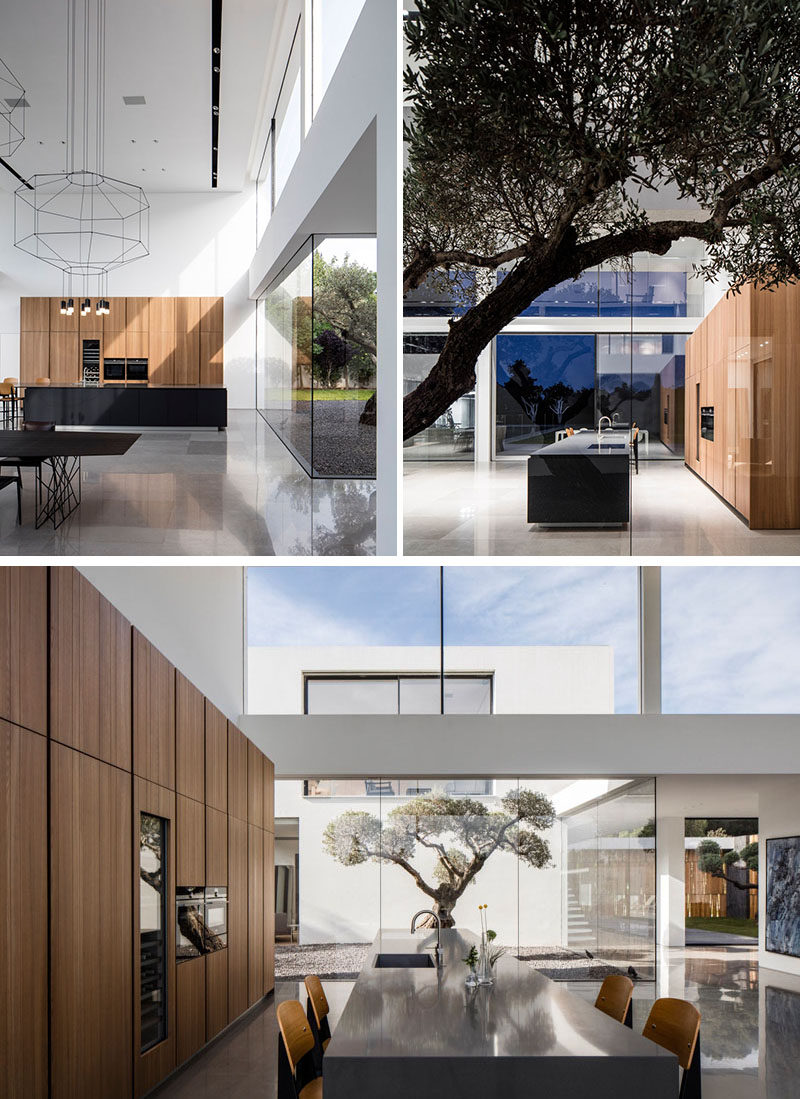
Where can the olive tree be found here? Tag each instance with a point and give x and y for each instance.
(462, 833)
(537, 128)
(711, 860)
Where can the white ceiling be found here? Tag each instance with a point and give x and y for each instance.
(163, 52)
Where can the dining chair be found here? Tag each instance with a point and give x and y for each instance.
(675, 1025)
(6, 481)
(8, 402)
(615, 998)
(317, 1012)
(297, 1070)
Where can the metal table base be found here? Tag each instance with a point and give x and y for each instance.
(58, 492)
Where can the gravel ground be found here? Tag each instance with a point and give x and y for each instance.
(343, 962)
(342, 447)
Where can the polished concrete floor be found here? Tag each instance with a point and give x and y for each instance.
(201, 493)
(750, 1030)
(466, 509)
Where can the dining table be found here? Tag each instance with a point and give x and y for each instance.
(56, 456)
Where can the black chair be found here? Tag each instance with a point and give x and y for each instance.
(31, 463)
(5, 481)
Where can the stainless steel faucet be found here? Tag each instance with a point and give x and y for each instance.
(430, 912)
(600, 423)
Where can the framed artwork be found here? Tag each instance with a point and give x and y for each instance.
(782, 931)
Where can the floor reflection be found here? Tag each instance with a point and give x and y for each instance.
(201, 493)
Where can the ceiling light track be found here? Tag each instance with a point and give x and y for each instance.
(216, 70)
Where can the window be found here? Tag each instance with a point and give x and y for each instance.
(152, 929)
(334, 21)
(453, 434)
(398, 695)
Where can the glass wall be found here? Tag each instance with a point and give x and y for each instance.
(265, 198)
(334, 21)
(730, 640)
(452, 436)
(287, 126)
(551, 385)
(560, 873)
(610, 879)
(317, 356)
(407, 694)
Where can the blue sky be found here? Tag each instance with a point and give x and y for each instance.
(730, 639)
(494, 605)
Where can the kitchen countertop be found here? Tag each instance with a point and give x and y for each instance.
(585, 443)
(116, 385)
(421, 1032)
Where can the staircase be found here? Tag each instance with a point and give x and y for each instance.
(579, 931)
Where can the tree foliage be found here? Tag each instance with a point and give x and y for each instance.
(712, 860)
(462, 833)
(537, 128)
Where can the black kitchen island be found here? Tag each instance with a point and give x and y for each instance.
(128, 405)
(579, 481)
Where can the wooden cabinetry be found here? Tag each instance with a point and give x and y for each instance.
(153, 714)
(64, 358)
(740, 362)
(152, 1065)
(90, 670)
(34, 314)
(255, 785)
(269, 794)
(64, 322)
(23, 886)
(189, 739)
(237, 772)
(190, 842)
(216, 754)
(255, 912)
(190, 1011)
(34, 356)
(238, 975)
(269, 912)
(216, 847)
(23, 647)
(91, 947)
(161, 368)
(187, 341)
(211, 341)
(216, 993)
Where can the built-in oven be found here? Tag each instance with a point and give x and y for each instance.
(707, 423)
(137, 370)
(190, 923)
(114, 370)
(216, 918)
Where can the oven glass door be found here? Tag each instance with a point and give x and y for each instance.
(216, 922)
(190, 922)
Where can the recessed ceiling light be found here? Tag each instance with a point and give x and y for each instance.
(134, 100)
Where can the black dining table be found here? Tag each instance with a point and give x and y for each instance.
(58, 492)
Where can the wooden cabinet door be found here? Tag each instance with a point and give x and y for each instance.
(90, 327)
(91, 856)
(34, 356)
(137, 314)
(211, 314)
(269, 794)
(65, 365)
(190, 1022)
(255, 912)
(238, 978)
(137, 345)
(216, 758)
(23, 647)
(162, 315)
(90, 670)
(216, 993)
(269, 912)
(115, 344)
(23, 885)
(216, 847)
(255, 785)
(161, 361)
(34, 314)
(187, 341)
(237, 772)
(153, 714)
(190, 842)
(211, 358)
(189, 739)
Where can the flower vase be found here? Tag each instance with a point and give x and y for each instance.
(472, 978)
(485, 974)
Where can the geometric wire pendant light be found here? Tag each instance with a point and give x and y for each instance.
(12, 112)
(82, 221)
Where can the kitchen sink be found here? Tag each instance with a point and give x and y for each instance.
(608, 446)
(403, 961)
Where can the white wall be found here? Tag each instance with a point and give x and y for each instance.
(527, 679)
(193, 614)
(200, 245)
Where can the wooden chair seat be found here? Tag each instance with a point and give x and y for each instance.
(317, 1012)
(675, 1025)
(312, 1090)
